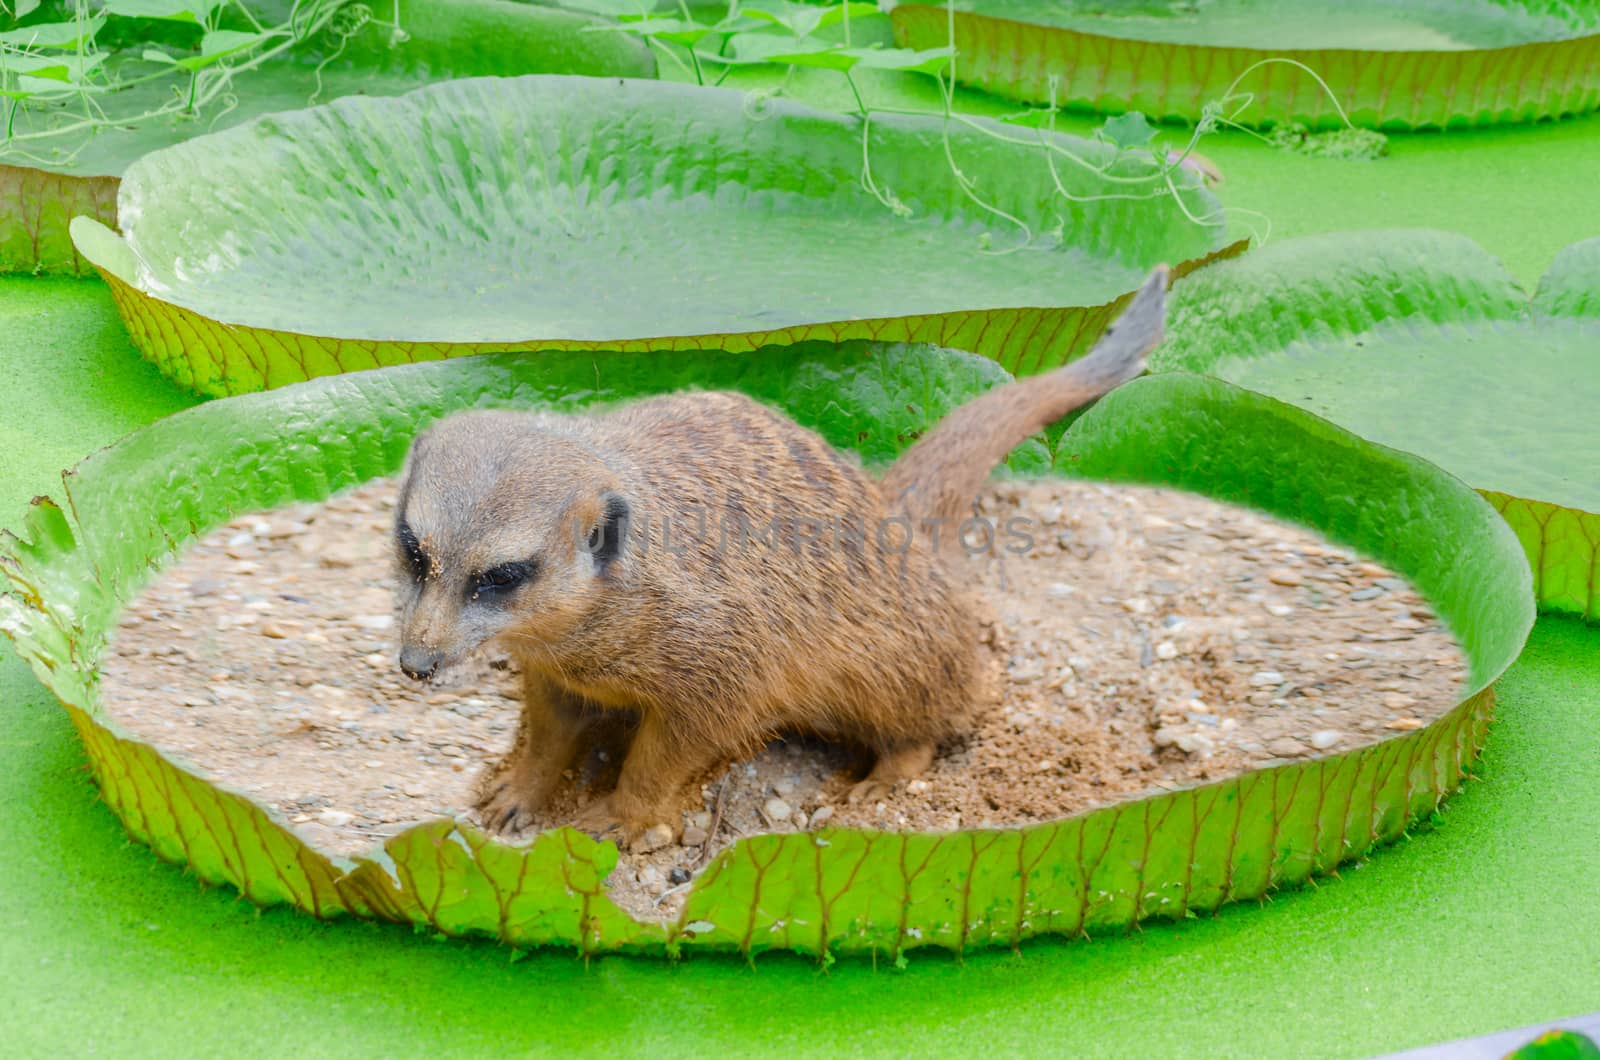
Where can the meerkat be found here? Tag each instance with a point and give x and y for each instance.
(597, 549)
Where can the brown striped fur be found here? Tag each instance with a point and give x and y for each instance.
(713, 641)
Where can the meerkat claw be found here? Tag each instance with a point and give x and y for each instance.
(502, 810)
(597, 818)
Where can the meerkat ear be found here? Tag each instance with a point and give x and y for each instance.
(608, 536)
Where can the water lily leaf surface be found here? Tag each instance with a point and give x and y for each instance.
(549, 212)
(1435, 64)
(45, 182)
(1421, 340)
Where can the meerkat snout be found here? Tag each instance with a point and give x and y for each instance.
(419, 664)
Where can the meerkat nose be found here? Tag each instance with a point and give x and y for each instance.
(418, 663)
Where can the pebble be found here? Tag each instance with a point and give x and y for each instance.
(1195, 743)
(1372, 592)
(652, 879)
(820, 816)
(694, 836)
(778, 810)
(678, 876)
(1286, 747)
(318, 835)
(1059, 590)
(332, 557)
(701, 820)
(1166, 650)
(1392, 584)
(1404, 724)
(1266, 679)
(335, 818)
(1278, 610)
(376, 623)
(1323, 739)
(1398, 700)
(1285, 576)
(654, 838)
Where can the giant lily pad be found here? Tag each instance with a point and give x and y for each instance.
(1421, 65)
(566, 212)
(1422, 340)
(45, 180)
(130, 508)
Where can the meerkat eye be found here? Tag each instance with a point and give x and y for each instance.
(505, 576)
(411, 549)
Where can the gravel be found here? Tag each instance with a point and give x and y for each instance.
(1151, 639)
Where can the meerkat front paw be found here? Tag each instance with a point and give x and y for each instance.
(508, 800)
(599, 819)
(604, 820)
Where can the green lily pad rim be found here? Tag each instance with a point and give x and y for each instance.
(1398, 90)
(239, 352)
(1196, 228)
(57, 585)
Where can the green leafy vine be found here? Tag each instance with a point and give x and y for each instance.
(59, 62)
(819, 36)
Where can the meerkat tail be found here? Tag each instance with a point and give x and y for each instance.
(939, 476)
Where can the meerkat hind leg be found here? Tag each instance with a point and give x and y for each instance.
(893, 766)
(549, 737)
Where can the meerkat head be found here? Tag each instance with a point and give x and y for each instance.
(506, 526)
